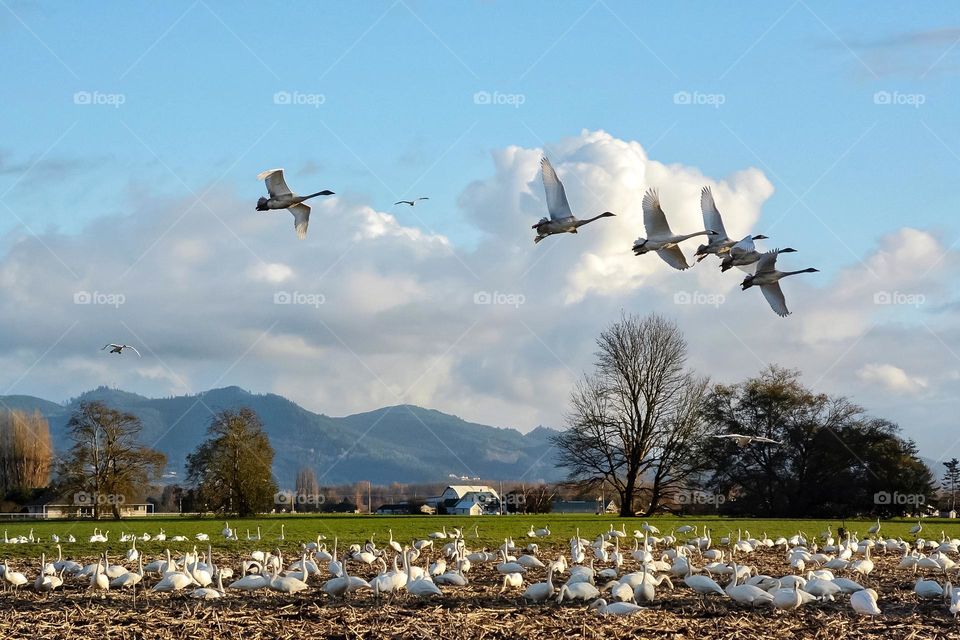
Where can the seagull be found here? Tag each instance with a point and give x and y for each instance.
(720, 243)
(561, 219)
(282, 198)
(118, 348)
(744, 441)
(660, 238)
(768, 279)
(410, 202)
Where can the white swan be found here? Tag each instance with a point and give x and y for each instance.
(745, 441)
(768, 279)
(541, 591)
(282, 198)
(116, 348)
(865, 602)
(659, 236)
(615, 608)
(719, 244)
(561, 218)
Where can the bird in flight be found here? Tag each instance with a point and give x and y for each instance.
(744, 441)
(410, 202)
(561, 218)
(282, 198)
(660, 238)
(768, 279)
(118, 348)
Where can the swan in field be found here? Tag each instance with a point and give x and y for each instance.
(578, 591)
(659, 236)
(745, 441)
(768, 279)
(719, 244)
(865, 602)
(541, 591)
(788, 599)
(561, 218)
(615, 608)
(118, 348)
(282, 198)
(928, 589)
(916, 529)
(208, 593)
(410, 202)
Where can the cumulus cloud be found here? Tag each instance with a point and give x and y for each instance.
(368, 311)
(892, 378)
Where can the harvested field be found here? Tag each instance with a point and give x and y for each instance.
(473, 611)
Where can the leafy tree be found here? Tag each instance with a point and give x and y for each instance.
(636, 416)
(307, 490)
(832, 460)
(951, 480)
(231, 470)
(106, 466)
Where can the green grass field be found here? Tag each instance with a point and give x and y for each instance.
(358, 528)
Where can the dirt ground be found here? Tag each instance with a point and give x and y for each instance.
(473, 611)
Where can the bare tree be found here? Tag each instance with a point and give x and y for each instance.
(308, 490)
(636, 416)
(26, 452)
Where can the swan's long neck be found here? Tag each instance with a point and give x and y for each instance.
(580, 223)
(692, 235)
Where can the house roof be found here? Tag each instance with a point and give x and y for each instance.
(463, 489)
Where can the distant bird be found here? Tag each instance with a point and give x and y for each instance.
(659, 236)
(768, 279)
(118, 348)
(410, 202)
(744, 441)
(561, 218)
(282, 198)
(719, 244)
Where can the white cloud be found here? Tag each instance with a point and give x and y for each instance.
(891, 378)
(388, 312)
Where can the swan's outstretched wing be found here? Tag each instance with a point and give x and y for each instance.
(654, 219)
(301, 218)
(557, 203)
(774, 295)
(134, 349)
(744, 246)
(711, 215)
(276, 185)
(674, 257)
(767, 440)
(768, 261)
(109, 345)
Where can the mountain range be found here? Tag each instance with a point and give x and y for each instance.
(403, 443)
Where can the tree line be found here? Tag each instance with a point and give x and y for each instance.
(641, 425)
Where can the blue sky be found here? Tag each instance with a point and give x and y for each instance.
(398, 80)
(847, 111)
